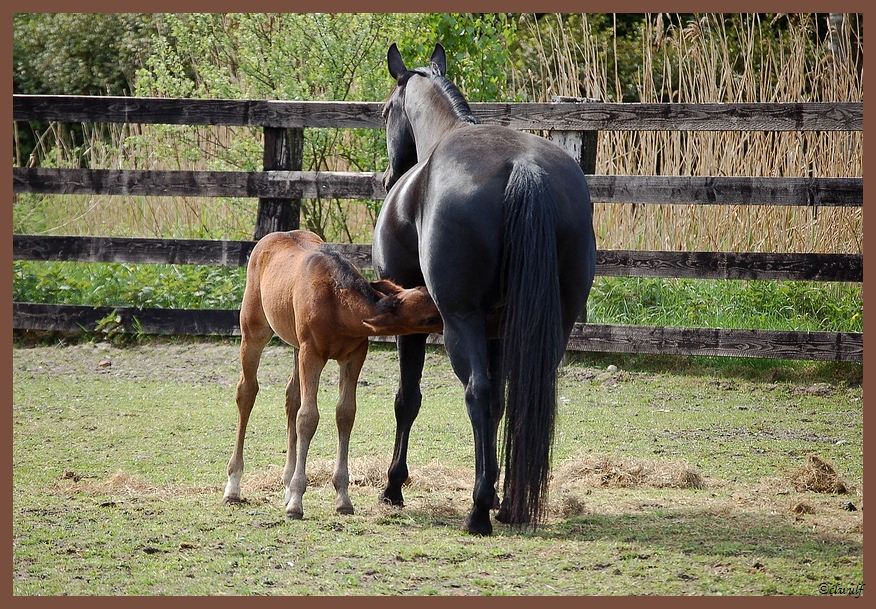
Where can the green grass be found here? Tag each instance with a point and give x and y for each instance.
(778, 305)
(163, 415)
(138, 285)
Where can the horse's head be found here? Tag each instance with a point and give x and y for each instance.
(403, 311)
(399, 136)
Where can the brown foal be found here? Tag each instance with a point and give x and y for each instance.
(309, 295)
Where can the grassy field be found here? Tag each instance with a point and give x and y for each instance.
(119, 469)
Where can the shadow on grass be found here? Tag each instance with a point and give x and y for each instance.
(699, 531)
(685, 531)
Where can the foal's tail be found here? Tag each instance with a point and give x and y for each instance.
(532, 340)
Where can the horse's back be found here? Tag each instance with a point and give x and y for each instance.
(466, 199)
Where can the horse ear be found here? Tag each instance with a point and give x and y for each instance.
(387, 312)
(386, 287)
(395, 62)
(439, 60)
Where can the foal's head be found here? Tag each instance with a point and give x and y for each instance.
(403, 311)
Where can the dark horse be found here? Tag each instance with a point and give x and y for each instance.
(498, 225)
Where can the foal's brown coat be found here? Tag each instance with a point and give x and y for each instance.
(315, 300)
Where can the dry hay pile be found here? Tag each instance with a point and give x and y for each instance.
(626, 472)
(818, 476)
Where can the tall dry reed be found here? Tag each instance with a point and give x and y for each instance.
(708, 58)
(711, 58)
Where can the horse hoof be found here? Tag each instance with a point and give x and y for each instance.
(479, 526)
(392, 499)
(295, 515)
(346, 510)
(231, 499)
(504, 516)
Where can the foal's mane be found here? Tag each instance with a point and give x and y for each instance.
(458, 103)
(345, 275)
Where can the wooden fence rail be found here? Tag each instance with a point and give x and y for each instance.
(566, 116)
(835, 346)
(689, 190)
(618, 263)
(574, 125)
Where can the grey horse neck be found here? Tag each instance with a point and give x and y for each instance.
(433, 111)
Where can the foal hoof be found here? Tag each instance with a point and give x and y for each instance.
(232, 500)
(346, 510)
(295, 515)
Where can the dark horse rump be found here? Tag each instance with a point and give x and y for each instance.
(491, 220)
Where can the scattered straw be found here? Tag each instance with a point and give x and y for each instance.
(614, 471)
(127, 485)
(433, 477)
(365, 472)
(818, 476)
(571, 504)
(802, 508)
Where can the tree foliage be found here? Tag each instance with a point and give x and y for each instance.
(79, 54)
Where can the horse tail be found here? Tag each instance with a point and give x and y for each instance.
(532, 339)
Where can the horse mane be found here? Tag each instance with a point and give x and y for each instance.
(458, 103)
(345, 275)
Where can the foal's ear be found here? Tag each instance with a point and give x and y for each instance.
(386, 287)
(439, 60)
(387, 314)
(395, 62)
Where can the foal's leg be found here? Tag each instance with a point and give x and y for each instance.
(293, 403)
(310, 366)
(255, 334)
(466, 344)
(411, 356)
(345, 415)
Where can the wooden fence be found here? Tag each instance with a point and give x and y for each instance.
(281, 186)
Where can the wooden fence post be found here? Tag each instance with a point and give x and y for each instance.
(581, 145)
(284, 150)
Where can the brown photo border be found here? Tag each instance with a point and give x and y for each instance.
(565, 6)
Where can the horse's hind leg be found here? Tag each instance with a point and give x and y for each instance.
(310, 367)
(345, 415)
(293, 403)
(255, 334)
(466, 344)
